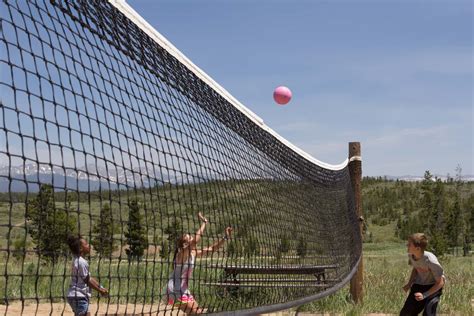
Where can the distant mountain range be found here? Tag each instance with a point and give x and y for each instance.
(465, 178)
(91, 178)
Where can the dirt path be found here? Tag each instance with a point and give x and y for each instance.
(44, 309)
(121, 310)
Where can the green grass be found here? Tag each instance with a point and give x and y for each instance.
(132, 283)
(385, 259)
(386, 270)
(31, 280)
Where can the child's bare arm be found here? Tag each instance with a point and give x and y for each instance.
(96, 286)
(216, 245)
(407, 286)
(211, 248)
(412, 276)
(435, 288)
(200, 231)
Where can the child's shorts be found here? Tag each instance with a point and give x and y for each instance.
(79, 305)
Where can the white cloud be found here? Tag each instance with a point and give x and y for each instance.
(410, 150)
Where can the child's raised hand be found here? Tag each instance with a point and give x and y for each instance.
(228, 231)
(202, 218)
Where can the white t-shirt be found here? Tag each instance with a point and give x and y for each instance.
(427, 267)
(79, 279)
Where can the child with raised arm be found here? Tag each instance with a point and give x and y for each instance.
(426, 279)
(79, 292)
(177, 291)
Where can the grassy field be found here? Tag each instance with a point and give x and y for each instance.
(262, 213)
(386, 271)
(385, 259)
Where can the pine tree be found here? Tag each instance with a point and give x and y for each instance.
(468, 233)
(454, 223)
(437, 220)
(251, 247)
(427, 199)
(49, 226)
(302, 247)
(103, 230)
(466, 214)
(165, 249)
(284, 244)
(235, 248)
(136, 238)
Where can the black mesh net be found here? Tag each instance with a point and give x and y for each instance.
(104, 133)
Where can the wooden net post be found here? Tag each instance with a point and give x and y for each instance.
(355, 170)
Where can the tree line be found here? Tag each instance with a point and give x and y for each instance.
(49, 227)
(442, 209)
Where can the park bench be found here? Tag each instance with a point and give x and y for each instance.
(271, 276)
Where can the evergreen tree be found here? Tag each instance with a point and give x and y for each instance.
(468, 233)
(251, 247)
(136, 238)
(283, 247)
(441, 209)
(49, 226)
(437, 220)
(165, 249)
(427, 198)
(302, 247)
(284, 244)
(235, 248)
(438, 243)
(454, 223)
(103, 230)
(466, 214)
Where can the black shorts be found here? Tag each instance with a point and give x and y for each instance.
(428, 305)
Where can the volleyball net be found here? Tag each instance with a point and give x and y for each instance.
(108, 131)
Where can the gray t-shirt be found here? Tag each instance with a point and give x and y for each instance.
(79, 279)
(427, 267)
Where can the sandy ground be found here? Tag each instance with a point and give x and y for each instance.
(95, 309)
(119, 310)
(128, 310)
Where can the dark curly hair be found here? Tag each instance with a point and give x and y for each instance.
(74, 242)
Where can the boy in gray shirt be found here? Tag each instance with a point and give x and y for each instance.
(426, 279)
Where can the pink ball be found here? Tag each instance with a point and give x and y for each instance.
(282, 95)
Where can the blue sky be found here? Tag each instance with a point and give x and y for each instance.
(395, 75)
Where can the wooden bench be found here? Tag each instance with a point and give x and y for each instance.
(233, 276)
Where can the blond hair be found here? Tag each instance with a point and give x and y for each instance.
(419, 240)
